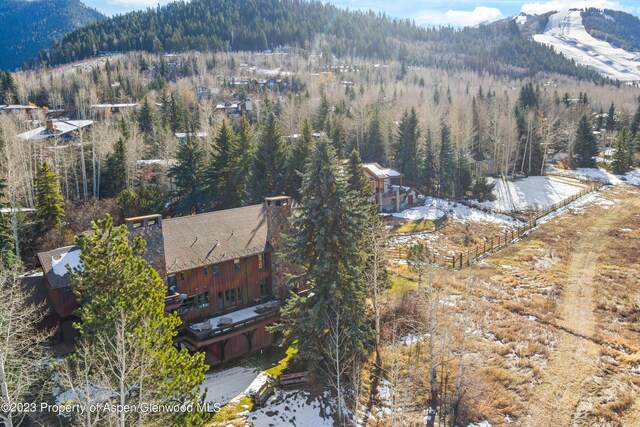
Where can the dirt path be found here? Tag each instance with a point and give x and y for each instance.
(559, 398)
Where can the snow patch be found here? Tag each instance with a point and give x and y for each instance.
(435, 208)
(293, 408)
(72, 258)
(227, 385)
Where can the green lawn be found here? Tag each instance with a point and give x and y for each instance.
(415, 226)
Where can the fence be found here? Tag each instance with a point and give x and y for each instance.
(498, 242)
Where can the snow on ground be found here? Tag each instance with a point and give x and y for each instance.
(223, 386)
(596, 174)
(292, 408)
(534, 192)
(60, 265)
(434, 208)
(566, 34)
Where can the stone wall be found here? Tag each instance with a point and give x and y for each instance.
(278, 213)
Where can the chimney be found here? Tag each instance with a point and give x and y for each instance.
(49, 125)
(278, 213)
(150, 229)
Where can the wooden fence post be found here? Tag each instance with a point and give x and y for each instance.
(453, 259)
(460, 261)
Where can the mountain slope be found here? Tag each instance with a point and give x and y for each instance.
(618, 28)
(215, 25)
(566, 33)
(28, 26)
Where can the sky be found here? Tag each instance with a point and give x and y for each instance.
(425, 12)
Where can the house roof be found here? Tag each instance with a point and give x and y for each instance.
(210, 238)
(380, 172)
(478, 155)
(60, 128)
(54, 265)
(129, 105)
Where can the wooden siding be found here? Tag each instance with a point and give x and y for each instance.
(63, 300)
(194, 282)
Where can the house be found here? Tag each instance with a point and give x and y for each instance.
(219, 267)
(31, 111)
(63, 129)
(104, 109)
(389, 193)
(481, 164)
(184, 136)
(234, 110)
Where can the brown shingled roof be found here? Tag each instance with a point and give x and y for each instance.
(209, 238)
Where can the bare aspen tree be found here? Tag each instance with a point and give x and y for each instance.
(22, 346)
(376, 238)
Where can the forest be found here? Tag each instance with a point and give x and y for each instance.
(314, 120)
(221, 26)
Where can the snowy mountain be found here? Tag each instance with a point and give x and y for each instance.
(566, 33)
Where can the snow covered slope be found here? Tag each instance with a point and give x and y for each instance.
(566, 34)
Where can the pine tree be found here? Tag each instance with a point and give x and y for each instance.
(268, 171)
(447, 163)
(586, 147)
(635, 122)
(406, 148)
(7, 249)
(221, 174)
(600, 122)
(146, 118)
(430, 167)
(115, 176)
(187, 176)
(323, 111)
(463, 175)
(124, 324)
(611, 118)
(49, 200)
(325, 245)
(622, 155)
(300, 152)
(246, 145)
(375, 150)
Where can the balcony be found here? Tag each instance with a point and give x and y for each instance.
(234, 323)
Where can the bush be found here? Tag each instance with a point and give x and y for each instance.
(483, 189)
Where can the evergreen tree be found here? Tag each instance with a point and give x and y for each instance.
(187, 176)
(246, 145)
(325, 245)
(447, 163)
(463, 175)
(611, 118)
(221, 175)
(375, 149)
(268, 171)
(128, 333)
(406, 148)
(7, 249)
(146, 118)
(323, 111)
(635, 122)
(115, 175)
(600, 122)
(430, 169)
(622, 157)
(302, 149)
(49, 200)
(586, 147)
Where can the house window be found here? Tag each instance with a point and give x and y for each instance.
(262, 261)
(203, 300)
(182, 277)
(265, 287)
(240, 299)
(230, 298)
(220, 301)
(171, 281)
(215, 270)
(236, 264)
(206, 271)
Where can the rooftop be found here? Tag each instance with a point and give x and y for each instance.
(60, 128)
(380, 172)
(54, 264)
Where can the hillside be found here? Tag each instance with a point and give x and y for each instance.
(208, 25)
(618, 28)
(28, 26)
(566, 33)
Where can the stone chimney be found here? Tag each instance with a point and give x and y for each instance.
(150, 229)
(278, 213)
(49, 125)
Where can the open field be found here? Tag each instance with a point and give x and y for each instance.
(553, 336)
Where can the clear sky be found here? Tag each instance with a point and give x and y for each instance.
(424, 12)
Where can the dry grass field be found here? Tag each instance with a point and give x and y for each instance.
(553, 321)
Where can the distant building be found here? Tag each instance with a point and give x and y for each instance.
(63, 129)
(221, 274)
(183, 136)
(389, 193)
(30, 111)
(481, 164)
(234, 110)
(113, 108)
